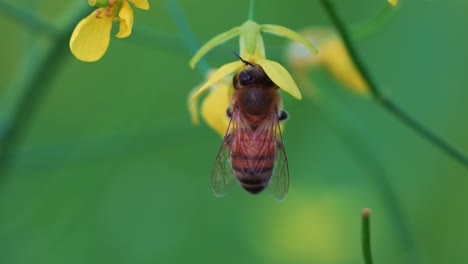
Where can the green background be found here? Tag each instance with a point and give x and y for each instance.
(106, 166)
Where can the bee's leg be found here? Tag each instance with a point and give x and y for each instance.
(283, 115)
(229, 112)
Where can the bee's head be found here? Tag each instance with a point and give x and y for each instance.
(252, 74)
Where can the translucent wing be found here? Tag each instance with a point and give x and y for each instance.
(222, 176)
(279, 182)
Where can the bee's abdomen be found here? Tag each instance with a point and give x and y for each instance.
(253, 181)
(253, 170)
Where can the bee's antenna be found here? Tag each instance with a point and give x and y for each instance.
(244, 61)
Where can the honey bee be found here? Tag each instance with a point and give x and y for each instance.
(252, 150)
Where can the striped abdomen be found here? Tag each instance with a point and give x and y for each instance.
(253, 158)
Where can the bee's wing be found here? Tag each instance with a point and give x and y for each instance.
(222, 176)
(279, 182)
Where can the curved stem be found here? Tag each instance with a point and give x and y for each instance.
(386, 102)
(17, 86)
(147, 36)
(187, 35)
(29, 19)
(35, 87)
(364, 156)
(369, 26)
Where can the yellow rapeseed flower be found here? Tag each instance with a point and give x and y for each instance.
(218, 98)
(252, 50)
(91, 36)
(333, 56)
(393, 2)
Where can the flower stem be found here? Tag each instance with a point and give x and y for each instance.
(17, 87)
(369, 26)
(187, 35)
(29, 19)
(386, 102)
(365, 237)
(364, 156)
(35, 86)
(251, 10)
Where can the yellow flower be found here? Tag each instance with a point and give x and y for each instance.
(217, 98)
(333, 56)
(91, 36)
(393, 2)
(252, 50)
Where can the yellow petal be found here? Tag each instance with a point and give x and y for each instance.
(220, 73)
(142, 4)
(217, 40)
(333, 56)
(287, 33)
(393, 2)
(91, 36)
(280, 76)
(193, 106)
(338, 61)
(214, 108)
(126, 20)
(193, 100)
(300, 57)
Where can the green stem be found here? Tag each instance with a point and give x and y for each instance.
(386, 102)
(32, 21)
(370, 26)
(365, 237)
(148, 36)
(364, 156)
(108, 146)
(251, 10)
(187, 35)
(17, 87)
(36, 86)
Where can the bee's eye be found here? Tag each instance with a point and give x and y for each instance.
(268, 81)
(244, 78)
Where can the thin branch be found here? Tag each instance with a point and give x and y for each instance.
(365, 237)
(29, 19)
(364, 156)
(36, 86)
(371, 25)
(386, 102)
(186, 32)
